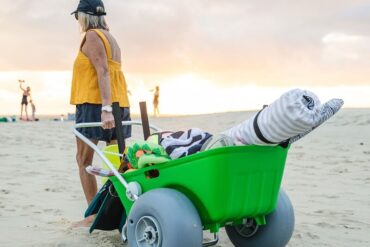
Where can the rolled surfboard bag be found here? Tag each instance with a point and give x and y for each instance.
(295, 112)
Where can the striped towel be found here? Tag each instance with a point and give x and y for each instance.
(295, 112)
(183, 143)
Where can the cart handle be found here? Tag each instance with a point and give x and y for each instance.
(98, 151)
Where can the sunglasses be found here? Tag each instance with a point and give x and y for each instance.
(76, 16)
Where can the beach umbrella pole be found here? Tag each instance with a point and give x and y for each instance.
(144, 119)
(120, 136)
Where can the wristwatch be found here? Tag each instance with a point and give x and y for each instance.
(107, 108)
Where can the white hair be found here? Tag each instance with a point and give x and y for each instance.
(92, 21)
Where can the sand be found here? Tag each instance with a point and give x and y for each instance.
(327, 177)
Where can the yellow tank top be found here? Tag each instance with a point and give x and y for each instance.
(85, 87)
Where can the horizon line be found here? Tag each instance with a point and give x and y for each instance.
(136, 114)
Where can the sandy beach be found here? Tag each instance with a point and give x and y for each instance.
(327, 177)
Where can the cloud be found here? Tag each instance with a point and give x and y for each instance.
(226, 41)
(345, 48)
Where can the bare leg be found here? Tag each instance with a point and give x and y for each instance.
(25, 108)
(84, 158)
(156, 111)
(21, 111)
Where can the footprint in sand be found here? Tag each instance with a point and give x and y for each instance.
(24, 157)
(25, 207)
(350, 227)
(43, 160)
(6, 192)
(297, 236)
(13, 184)
(312, 236)
(56, 212)
(339, 170)
(325, 225)
(60, 189)
(61, 222)
(332, 197)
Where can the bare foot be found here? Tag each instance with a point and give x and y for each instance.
(87, 222)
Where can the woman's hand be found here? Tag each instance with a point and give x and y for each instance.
(107, 119)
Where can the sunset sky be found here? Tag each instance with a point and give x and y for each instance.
(207, 55)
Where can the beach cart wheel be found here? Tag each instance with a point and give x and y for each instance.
(276, 233)
(164, 218)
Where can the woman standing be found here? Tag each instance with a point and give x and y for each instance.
(97, 82)
(26, 94)
(156, 102)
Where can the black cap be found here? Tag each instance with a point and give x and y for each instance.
(89, 7)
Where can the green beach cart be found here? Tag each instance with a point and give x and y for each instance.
(172, 204)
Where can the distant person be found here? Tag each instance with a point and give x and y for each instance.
(97, 81)
(156, 101)
(24, 102)
(33, 108)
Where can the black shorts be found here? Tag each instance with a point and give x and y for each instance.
(24, 100)
(88, 113)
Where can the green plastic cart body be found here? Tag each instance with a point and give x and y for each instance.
(226, 184)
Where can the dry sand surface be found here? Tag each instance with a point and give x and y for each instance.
(327, 177)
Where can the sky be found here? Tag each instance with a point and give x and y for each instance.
(207, 55)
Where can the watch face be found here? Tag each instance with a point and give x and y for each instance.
(107, 108)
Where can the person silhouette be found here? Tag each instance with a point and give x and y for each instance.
(33, 108)
(24, 102)
(156, 101)
(97, 83)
